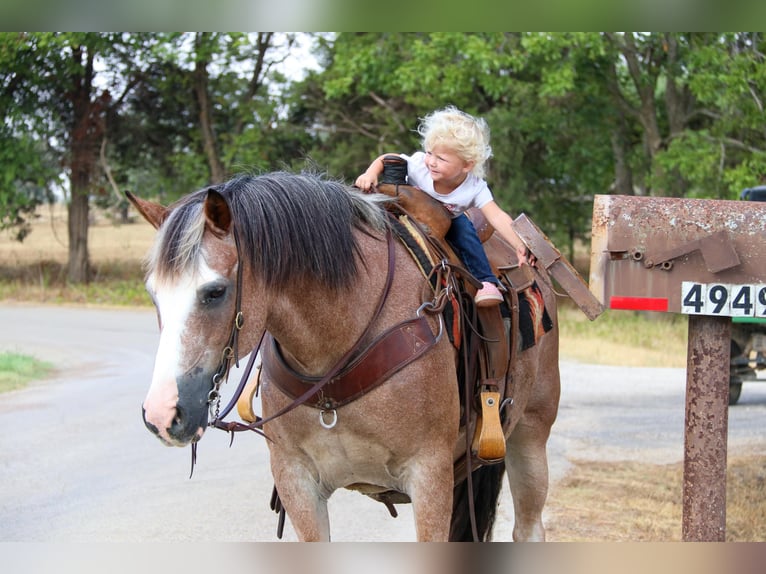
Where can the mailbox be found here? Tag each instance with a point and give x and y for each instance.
(692, 256)
(706, 259)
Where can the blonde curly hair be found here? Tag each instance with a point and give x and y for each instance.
(464, 134)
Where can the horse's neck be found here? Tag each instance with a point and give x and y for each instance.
(316, 326)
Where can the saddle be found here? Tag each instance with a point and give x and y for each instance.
(483, 338)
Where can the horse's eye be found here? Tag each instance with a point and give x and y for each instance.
(211, 294)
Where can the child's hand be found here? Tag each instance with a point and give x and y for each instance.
(366, 181)
(526, 256)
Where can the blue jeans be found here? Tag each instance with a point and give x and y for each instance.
(465, 241)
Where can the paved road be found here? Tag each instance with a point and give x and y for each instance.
(76, 463)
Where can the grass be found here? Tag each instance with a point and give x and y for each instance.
(16, 370)
(636, 502)
(117, 283)
(35, 270)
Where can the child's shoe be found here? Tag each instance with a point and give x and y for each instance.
(488, 295)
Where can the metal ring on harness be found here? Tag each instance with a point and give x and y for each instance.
(429, 307)
(332, 423)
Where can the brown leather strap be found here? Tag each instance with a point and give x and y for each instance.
(387, 354)
(233, 426)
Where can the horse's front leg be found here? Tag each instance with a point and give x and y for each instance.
(304, 503)
(430, 488)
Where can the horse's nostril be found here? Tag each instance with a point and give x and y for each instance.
(178, 420)
(147, 424)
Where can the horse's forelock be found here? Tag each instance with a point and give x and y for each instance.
(176, 249)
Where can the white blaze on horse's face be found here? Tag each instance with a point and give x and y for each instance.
(183, 357)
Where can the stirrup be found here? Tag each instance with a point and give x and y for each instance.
(488, 440)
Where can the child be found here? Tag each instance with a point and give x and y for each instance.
(451, 169)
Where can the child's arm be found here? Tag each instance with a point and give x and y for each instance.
(502, 223)
(369, 178)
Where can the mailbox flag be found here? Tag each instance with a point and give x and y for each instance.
(639, 303)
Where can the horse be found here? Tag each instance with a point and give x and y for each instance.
(305, 260)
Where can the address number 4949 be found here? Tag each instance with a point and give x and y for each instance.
(723, 299)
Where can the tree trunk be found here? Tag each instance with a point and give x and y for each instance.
(201, 78)
(83, 140)
(623, 175)
(643, 75)
(79, 209)
(677, 104)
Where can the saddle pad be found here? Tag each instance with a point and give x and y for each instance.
(534, 320)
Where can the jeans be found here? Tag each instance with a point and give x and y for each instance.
(465, 241)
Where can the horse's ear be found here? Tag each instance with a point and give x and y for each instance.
(154, 213)
(217, 213)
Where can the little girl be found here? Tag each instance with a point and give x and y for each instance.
(451, 170)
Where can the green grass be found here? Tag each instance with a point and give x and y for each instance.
(16, 370)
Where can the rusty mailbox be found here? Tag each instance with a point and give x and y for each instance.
(692, 256)
(705, 259)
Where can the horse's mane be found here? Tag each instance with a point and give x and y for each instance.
(290, 227)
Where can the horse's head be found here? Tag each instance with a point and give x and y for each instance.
(290, 232)
(191, 278)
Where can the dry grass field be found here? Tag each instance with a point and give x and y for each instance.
(35, 270)
(636, 502)
(108, 242)
(596, 501)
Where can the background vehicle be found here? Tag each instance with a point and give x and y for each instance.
(748, 334)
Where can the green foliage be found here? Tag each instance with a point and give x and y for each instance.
(547, 121)
(16, 370)
(25, 176)
(679, 114)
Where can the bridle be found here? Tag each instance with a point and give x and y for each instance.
(231, 350)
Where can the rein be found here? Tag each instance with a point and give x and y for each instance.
(230, 351)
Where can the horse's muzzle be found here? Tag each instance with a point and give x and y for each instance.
(191, 412)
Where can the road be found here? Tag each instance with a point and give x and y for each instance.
(77, 464)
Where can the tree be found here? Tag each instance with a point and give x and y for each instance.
(26, 165)
(212, 104)
(724, 151)
(26, 172)
(56, 93)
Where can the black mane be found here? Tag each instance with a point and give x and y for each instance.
(290, 227)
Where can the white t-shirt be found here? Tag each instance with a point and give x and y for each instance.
(473, 192)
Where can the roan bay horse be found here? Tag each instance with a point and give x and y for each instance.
(307, 260)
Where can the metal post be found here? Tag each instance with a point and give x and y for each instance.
(707, 418)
